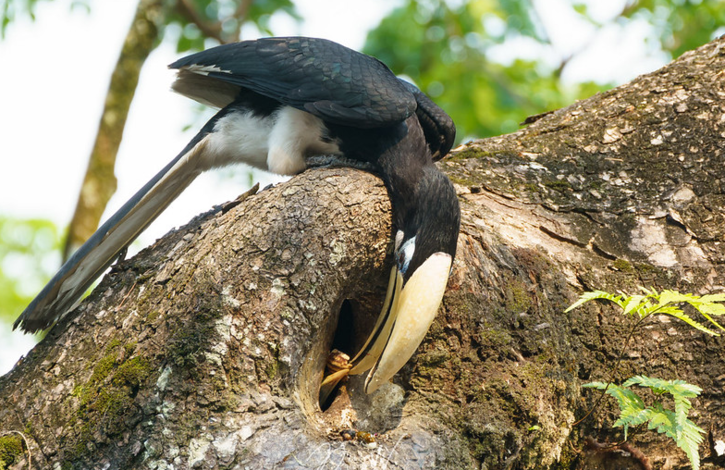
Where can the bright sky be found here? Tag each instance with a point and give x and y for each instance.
(56, 71)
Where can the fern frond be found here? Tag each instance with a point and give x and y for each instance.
(635, 303)
(635, 419)
(674, 424)
(595, 295)
(673, 387)
(689, 441)
(657, 385)
(629, 402)
(707, 305)
(710, 308)
(632, 418)
(658, 308)
(712, 298)
(680, 315)
(674, 297)
(663, 421)
(707, 309)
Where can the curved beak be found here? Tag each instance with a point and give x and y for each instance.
(408, 312)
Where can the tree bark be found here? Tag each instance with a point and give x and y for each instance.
(206, 349)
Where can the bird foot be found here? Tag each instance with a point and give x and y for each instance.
(337, 161)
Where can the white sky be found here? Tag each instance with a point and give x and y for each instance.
(54, 80)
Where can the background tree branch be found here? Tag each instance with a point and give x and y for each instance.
(205, 350)
(99, 182)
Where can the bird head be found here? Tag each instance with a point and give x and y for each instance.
(425, 246)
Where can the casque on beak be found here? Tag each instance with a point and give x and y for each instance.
(409, 309)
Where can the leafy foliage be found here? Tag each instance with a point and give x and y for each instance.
(194, 21)
(443, 47)
(666, 302)
(492, 63)
(222, 20)
(11, 9)
(29, 254)
(679, 25)
(673, 423)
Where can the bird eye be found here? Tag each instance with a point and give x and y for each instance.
(405, 254)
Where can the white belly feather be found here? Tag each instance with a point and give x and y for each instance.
(278, 143)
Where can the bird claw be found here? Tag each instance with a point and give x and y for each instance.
(337, 161)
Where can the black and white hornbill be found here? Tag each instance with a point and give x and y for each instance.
(283, 101)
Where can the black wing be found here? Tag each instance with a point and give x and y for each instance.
(438, 127)
(319, 76)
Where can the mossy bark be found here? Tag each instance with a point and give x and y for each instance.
(206, 349)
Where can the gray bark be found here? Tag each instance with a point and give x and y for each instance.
(206, 350)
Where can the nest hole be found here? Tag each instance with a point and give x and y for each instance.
(345, 333)
(343, 341)
(356, 320)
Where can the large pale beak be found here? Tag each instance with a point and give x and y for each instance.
(407, 314)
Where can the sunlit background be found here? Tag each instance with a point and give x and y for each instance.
(490, 64)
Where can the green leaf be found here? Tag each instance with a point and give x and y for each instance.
(674, 424)
(712, 298)
(680, 315)
(671, 297)
(595, 295)
(580, 8)
(635, 303)
(663, 421)
(689, 441)
(709, 308)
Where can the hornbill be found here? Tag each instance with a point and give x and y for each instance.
(284, 102)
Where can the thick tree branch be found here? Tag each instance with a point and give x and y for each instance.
(215, 29)
(208, 29)
(204, 349)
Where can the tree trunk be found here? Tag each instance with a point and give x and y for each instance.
(206, 349)
(99, 183)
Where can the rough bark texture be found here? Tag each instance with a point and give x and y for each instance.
(99, 183)
(206, 349)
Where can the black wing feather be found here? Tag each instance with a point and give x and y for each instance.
(316, 75)
(438, 127)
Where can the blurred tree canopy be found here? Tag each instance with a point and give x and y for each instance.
(679, 25)
(29, 254)
(444, 47)
(190, 24)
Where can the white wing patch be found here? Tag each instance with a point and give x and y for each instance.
(204, 69)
